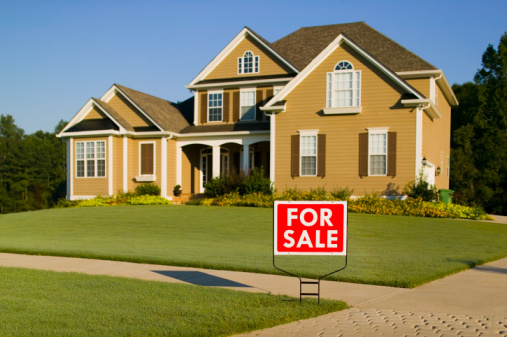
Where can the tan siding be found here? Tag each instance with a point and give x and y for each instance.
(117, 165)
(95, 114)
(89, 186)
(191, 169)
(171, 166)
(380, 108)
(128, 111)
(421, 84)
(437, 138)
(268, 65)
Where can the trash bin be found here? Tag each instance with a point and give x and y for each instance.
(446, 196)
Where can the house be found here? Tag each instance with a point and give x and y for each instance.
(334, 106)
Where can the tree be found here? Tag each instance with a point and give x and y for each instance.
(479, 134)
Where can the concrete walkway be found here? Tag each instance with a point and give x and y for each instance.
(470, 303)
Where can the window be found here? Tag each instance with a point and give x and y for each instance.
(215, 106)
(377, 143)
(308, 151)
(91, 159)
(308, 154)
(147, 158)
(248, 63)
(343, 86)
(247, 105)
(377, 153)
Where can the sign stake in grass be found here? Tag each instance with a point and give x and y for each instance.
(310, 228)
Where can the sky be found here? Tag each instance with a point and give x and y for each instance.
(56, 55)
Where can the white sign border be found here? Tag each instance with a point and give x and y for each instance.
(345, 225)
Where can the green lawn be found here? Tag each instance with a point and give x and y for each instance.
(43, 303)
(386, 250)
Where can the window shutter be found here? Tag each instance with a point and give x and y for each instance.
(146, 159)
(259, 98)
(321, 155)
(363, 154)
(225, 108)
(235, 106)
(295, 156)
(391, 154)
(204, 108)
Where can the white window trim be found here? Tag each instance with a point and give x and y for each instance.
(95, 159)
(371, 131)
(354, 91)
(277, 89)
(241, 91)
(148, 177)
(241, 68)
(211, 92)
(303, 133)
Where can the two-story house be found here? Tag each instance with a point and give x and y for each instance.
(338, 105)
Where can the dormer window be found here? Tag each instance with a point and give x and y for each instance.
(248, 63)
(343, 86)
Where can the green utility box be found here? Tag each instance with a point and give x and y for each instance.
(446, 196)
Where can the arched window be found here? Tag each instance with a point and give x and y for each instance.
(248, 63)
(343, 86)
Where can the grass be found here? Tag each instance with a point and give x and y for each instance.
(384, 250)
(47, 303)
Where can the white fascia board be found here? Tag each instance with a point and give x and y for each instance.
(239, 83)
(137, 107)
(152, 134)
(230, 47)
(109, 94)
(440, 79)
(85, 110)
(233, 133)
(324, 54)
(90, 133)
(426, 104)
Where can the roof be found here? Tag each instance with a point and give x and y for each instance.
(163, 112)
(303, 45)
(93, 125)
(111, 111)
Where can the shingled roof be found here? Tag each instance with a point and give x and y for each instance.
(163, 112)
(110, 110)
(303, 45)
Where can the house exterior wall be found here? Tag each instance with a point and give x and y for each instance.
(95, 114)
(191, 158)
(437, 139)
(171, 166)
(133, 161)
(380, 108)
(228, 68)
(117, 164)
(89, 186)
(420, 84)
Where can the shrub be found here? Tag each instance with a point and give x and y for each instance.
(238, 182)
(256, 182)
(148, 200)
(342, 193)
(420, 188)
(147, 189)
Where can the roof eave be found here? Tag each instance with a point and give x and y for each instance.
(440, 78)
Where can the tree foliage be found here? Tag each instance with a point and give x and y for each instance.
(32, 168)
(479, 134)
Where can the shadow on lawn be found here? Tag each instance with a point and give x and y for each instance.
(200, 279)
(473, 264)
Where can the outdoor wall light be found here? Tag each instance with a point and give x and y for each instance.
(438, 170)
(424, 161)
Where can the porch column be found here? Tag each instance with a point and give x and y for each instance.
(163, 167)
(110, 166)
(179, 155)
(216, 161)
(70, 169)
(246, 158)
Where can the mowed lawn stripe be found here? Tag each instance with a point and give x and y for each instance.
(384, 250)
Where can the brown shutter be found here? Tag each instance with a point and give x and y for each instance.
(295, 156)
(235, 106)
(363, 154)
(225, 110)
(147, 158)
(391, 154)
(321, 155)
(259, 98)
(204, 108)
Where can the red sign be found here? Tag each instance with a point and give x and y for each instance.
(310, 228)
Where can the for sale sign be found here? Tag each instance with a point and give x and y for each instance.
(310, 228)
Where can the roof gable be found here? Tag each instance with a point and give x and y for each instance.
(251, 38)
(305, 44)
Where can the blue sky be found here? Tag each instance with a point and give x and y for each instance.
(55, 55)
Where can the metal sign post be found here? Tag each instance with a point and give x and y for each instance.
(310, 228)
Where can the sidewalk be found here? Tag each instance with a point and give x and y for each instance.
(470, 303)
